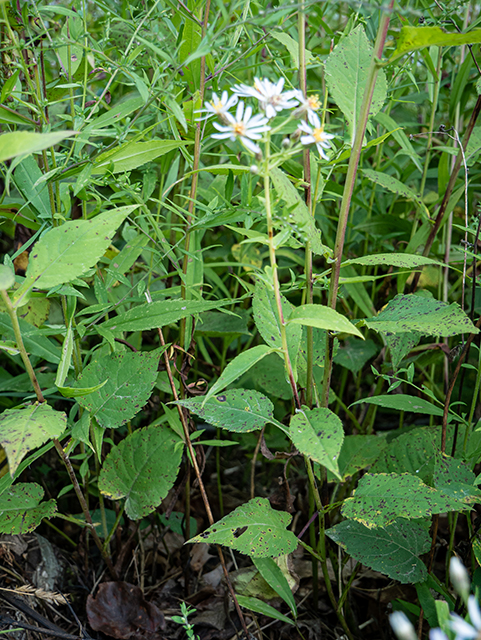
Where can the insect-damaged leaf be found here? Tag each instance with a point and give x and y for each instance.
(239, 410)
(26, 428)
(142, 469)
(130, 380)
(21, 510)
(418, 313)
(385, 549)
(380, 499)
(255, 529)
(318, 434)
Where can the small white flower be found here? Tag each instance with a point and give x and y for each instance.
(459, 577)
(401, 626)
(464, 630)
(437, 634)
(316, 136)
(244, 126)
(270, 96)
(308, 106)
(218, 106)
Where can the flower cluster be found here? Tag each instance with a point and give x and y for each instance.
(271, 100)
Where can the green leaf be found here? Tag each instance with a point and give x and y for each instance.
(380, 499)
(403, 402)
(130, 379)
(158, 314)
(322, 317)
(7, 277)
(254, 604)
(292, 46)
(418, 313)
(238, 366)
(21, 510)
(24, 142)
(270, 374)
(347, 69)
(115, 115)
(238, 410)
(298, 211)
(393, 550)
(33, 339)
(358, 452)
(275, 578)
(77, 392)
(392, 184)
(455, 479)
(255, 529)
(9, 116)
(400, 345)
(216, 324)
(142, 469)
(354, 354)
(27, 428)
(401, 260)
(412, 38)
(266, 317)
(66, 359)
(26, 177)
(318, 434)
(70, 250)
(131, 155)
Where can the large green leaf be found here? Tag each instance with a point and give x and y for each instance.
(21, 510)
(322, 317)
(358, 452)
(235, 410)
(393, 550)
(131, 155)
(158, 314)
(142, 469)
(24, 142)
(412, 38)
(418, 313)
(255, 529)
(237, 367)
(354, 354)
(266, 318)
(395, 186)
(26, 428)
(455, 479)
(347, 70)
(130, 379)
(270, 375)
(380, 499)
(70, 250)
(402, 260)
(318, 434)
(298, 212)
(404, 402)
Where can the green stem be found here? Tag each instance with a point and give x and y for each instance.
(349, 186)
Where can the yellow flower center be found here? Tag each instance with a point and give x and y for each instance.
(314, 102)
(318, 134)
(217, 105)
(239, 128)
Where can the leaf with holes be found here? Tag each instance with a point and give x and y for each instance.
(142, 469)
(393, 550)
(318, 434)
(27, 428)
(238, 410)
(130, 379)
(380, 499)
(255, 529)
(418, 313)
(21, 509)
(358, 452)
(455, 479)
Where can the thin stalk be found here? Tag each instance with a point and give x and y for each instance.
(349, 186)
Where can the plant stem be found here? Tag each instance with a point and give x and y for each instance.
(349, 185)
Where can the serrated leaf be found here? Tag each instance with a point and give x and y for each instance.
(418, 313)
(131, 155)
(358, 452)
(255, 529)
(382, 498)
(158, 314)
(354, 354)
(322, 317)
(400, 345)
(27, 428)
(318, 434)
(21, 510)
(237, 367)
(239, 410)
(393, 550)
(254, 604)
(455, 479)
(130, 379)
(24, 142)
(401, 260)
(70, 250)
(142, 469)
(347, 69)
(412, 38)
(266, 317)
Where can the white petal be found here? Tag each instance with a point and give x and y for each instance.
(313, 119)
(252, 146)
(247, 114)
(239, 111)
(437, 634)
(224, 98)
(474, 612)
(270, 111)
(222, 127)
(223, 136)
(307, 139)
(321, 152)
(462, 628)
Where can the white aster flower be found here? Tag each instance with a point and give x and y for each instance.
(316, 136)
(464, 630)
(219, 106)
(270, 96)
(244, 126)
(401, 626)
(308, 106)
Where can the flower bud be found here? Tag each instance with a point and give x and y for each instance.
(459, 577)
(401, 626)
